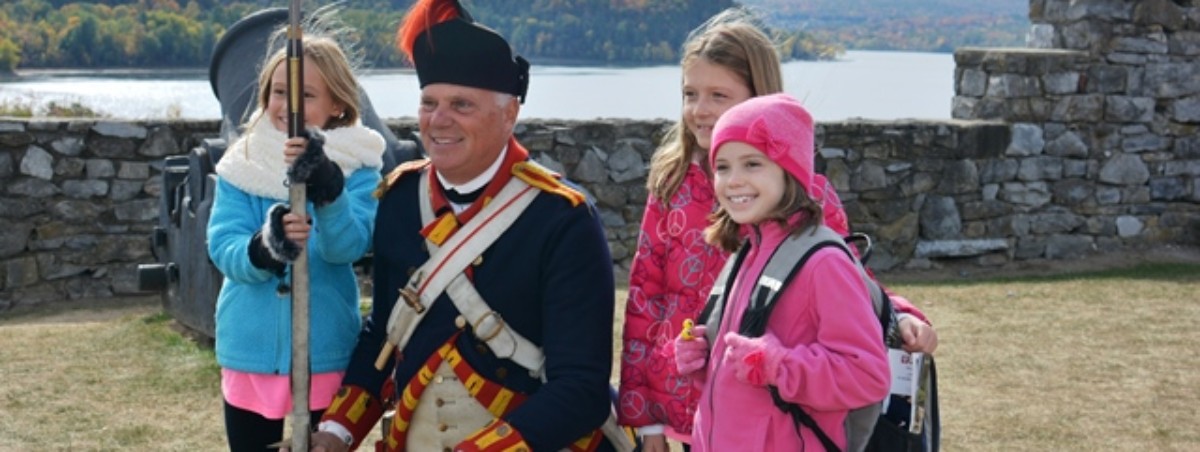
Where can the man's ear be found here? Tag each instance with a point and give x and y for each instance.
(512, 110)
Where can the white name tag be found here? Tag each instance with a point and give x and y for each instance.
(904, 367)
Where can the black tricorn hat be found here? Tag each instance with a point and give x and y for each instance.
(447, 46)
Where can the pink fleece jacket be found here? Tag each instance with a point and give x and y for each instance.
(833, 359)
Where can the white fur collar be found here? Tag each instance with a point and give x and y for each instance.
(254, 162)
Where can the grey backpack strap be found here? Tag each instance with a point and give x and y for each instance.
(803, 246)
(714, 308)
(785, 262)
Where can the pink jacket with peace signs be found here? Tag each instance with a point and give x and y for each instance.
(669, 280)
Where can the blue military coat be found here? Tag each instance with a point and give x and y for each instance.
(549, 276)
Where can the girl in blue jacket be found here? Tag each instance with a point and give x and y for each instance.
(252, 236)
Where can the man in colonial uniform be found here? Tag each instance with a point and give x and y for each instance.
(493, 288)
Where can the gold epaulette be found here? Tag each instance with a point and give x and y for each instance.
(409, 167)
(546, 180)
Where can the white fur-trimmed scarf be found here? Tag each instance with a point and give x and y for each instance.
(254, 162)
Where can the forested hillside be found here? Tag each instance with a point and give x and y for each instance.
(618, 31)
(923, 25)
(182, 33)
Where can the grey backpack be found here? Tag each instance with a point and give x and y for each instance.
(784, 264)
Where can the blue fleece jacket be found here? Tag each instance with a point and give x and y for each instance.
(253, 322)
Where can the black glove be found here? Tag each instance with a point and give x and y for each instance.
(261, 258)
(322, 178)
(270, 248)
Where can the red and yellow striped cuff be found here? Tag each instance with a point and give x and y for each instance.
(498, 436)
(356, 410)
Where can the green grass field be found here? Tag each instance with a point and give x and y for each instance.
(1087, 362)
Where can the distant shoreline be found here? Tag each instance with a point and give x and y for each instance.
(22, 72)
(859, 84)
(116, 71)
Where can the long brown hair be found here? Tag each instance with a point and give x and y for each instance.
(723, 232)
(731, 39)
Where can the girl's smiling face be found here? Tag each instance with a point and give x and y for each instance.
(749, 186)
(708, 91)
(319, 104)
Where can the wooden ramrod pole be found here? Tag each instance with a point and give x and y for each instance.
(300, 372)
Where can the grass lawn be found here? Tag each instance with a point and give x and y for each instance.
(1088, 362)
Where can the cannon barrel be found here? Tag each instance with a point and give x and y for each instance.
(183, 273)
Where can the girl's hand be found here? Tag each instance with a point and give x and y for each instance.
(272, 246)
(917, 336)
(308, 164)
(691, 354)
(755, 360)
(292, 148)
(296, 229)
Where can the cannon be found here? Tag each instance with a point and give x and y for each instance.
(182, 272)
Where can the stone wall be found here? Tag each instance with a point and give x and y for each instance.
(890, 175)
(1105, 109)
(1085, 142)
(79, 199)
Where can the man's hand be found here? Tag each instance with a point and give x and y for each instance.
(318, 442)
(654, 443)
(327, 442)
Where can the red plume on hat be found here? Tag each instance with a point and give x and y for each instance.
(446, 45)
(421, 16)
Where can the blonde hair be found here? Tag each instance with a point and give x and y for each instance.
(326, 55)
(732, 39)
(724, 233)
(332, 47)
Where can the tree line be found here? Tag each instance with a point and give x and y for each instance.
(182, 33)
(913, 25)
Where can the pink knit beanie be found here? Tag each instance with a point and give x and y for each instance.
(778, 126)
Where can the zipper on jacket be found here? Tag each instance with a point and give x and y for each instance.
(283, 317)
(755, 247)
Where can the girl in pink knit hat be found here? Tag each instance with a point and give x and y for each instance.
(820, 348)
(724, 62)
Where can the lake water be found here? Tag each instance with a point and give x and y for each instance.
(862, 84)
